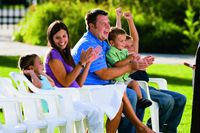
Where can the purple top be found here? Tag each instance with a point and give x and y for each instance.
(56, 55)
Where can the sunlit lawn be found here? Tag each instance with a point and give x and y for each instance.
(179, 79)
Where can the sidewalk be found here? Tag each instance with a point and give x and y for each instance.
(10, 48)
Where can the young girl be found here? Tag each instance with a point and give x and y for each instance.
(32, 67)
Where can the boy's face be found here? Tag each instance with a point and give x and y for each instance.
(120, 41)
(38, 65)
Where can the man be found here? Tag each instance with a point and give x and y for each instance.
(98, 27)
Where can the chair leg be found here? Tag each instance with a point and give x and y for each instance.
(50, 128)
(43, 130)
(70, 127)
(79, 126)
(62, 129)
(155, 116)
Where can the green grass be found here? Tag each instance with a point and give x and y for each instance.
(179, 79)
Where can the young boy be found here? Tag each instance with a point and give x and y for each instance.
(119, 56)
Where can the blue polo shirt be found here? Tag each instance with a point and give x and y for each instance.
(89, 40)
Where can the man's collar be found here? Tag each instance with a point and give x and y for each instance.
(92, 35)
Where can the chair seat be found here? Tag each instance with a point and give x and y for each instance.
(75, 116)
(57, 121)
(20, 128)
(37, 124)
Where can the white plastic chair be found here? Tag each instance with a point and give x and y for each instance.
(11, 115)
(154, 108)
(64, 106)
(32, 119)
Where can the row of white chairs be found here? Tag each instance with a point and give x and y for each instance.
(61, 114)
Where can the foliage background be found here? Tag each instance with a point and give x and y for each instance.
(164, 26)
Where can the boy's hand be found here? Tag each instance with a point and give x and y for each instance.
(128, 16)
(119, 12)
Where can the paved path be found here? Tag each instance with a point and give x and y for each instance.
(10, 48)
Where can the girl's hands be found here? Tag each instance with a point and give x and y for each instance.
(28, 72)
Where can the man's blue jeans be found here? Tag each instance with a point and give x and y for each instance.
(171, 106)
(125, 125)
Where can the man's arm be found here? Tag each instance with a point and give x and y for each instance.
(111, 73)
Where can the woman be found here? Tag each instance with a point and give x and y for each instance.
(61, 68)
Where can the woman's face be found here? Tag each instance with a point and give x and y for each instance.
(61, 39)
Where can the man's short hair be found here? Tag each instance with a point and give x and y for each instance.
(114, 32)
(91, 16)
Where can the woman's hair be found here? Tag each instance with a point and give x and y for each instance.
(26, 61)
(128, 37)
(53, 28)
(114, 32)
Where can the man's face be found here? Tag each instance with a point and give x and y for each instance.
(101, 28)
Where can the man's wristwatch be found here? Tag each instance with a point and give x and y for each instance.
(81, 64)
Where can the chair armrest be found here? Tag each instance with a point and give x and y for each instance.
(144, 85)
(161, 82)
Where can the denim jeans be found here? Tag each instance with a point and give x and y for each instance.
(125, 125)
(171, 106)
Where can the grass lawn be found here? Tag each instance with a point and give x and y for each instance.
(179, 79)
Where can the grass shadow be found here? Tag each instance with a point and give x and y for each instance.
(9, 61)
(173, 80)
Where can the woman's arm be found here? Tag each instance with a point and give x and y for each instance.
(133, 31)
(118, 17)
(60, 73)
(65, 78)
(81, 79)
(93, 55)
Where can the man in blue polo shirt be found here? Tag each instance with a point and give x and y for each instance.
(98, 27)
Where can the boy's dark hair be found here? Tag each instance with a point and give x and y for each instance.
(114, 32)
(91, 16)
(26, 61)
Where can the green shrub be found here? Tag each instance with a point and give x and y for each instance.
(156, 33)
(192, 31)
(32, 29)
(159, 36)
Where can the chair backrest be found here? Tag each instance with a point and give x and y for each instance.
(31, 105)
(11, 107)
(161, 82)
(56, 105)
